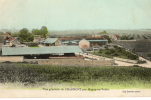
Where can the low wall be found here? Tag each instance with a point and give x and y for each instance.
(72, 62)
(11, 58)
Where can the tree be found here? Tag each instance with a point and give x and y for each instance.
(107, 37)
(104, 32)
(25, 36)
(36, 32)
(44, 31)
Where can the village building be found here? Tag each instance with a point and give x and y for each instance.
(11, 41)
(92, 44)
(51, 42)
(98, 42)
(70, 42)
(114, 37)
(38, 38)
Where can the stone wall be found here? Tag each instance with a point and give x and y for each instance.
(72, 62)
(11, 58)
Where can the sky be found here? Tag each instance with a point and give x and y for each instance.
(75, 14)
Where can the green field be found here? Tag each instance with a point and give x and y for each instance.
(39, 76)
(116, 52)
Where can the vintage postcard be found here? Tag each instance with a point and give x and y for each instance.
(75, 48)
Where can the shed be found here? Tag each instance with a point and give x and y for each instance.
(40, 51)
(98, 42)
(51, 42)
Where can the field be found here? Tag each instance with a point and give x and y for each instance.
(38, 76)
(137, 36)
(116, 52)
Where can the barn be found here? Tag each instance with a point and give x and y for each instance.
(98, 42)
(41, 52)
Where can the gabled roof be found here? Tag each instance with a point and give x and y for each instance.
(13, 51)
(50, 40)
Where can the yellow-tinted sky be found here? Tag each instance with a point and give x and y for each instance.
(75, 14)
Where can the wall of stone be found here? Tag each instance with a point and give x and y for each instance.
(11, 58)
(73, 62)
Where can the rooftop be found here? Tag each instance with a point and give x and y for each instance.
(9, 51)
(50, 40)
(98, 40)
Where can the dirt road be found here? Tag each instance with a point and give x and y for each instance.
(147, 64)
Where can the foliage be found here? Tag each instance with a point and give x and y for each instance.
(25, 36)
(117, 52)
(141, 61)
(149, 55)
(36, 32)
(27, 73)
(125, 37)
(104, 32)
(43, 32)
(107, 37)
(16, 34)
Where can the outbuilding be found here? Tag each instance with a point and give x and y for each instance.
(51, 42)
(41, 52)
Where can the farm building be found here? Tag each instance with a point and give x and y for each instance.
(70, 42)
(98, 42)
(37, 38)
(51, 42)
(92, 43)
(41, 52)
(11, 41)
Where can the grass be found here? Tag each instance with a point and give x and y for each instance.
(117, 52)
(39, 76)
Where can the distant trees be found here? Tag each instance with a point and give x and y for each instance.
(36, 32)
(43, 32)
(104, 32)
(25, 35)
(107, 37)
(124, 37)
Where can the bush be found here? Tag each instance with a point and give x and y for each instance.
(28, 73)
(141, 61)
(117, 52)
(136, 66)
